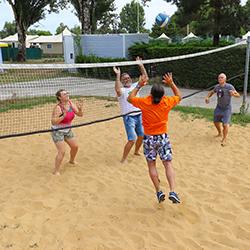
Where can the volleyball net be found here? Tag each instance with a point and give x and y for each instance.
(27, 91)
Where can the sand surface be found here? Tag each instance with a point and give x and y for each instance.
(102, 204)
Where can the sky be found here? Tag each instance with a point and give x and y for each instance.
(52, 21)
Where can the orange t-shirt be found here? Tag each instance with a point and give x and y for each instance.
(155, 116)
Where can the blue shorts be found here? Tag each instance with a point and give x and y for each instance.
(222, 115)
(157, 144)
(133, 126)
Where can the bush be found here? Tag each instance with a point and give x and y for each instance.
(197, 72)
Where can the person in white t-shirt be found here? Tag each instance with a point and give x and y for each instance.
(132, 121)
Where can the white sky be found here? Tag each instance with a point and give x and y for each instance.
(52, 21)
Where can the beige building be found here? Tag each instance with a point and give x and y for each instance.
(51, 45)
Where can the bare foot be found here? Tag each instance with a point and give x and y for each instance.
(137, 153)
(72, 162)
(57, 173)
(223, 142)
(123, 161)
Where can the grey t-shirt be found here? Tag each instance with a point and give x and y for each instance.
(223, 95)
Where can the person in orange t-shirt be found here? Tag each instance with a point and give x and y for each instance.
(155, 109)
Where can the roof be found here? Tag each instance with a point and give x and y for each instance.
(14, 38)
(191, 35)
(48, 39)
(163, 36)
(52, 39)
(246, 35)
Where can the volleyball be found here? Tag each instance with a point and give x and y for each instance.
(162, 19)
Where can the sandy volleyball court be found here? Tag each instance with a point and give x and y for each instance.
(102, 204)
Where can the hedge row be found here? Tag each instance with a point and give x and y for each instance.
(197, 72)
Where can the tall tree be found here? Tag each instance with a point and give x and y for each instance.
(245, 16)
(61, 28)
(108, 24)
(89, 12)
(28, 12)
(216, 16)
(132, 17)
(9, 28)
(172, 29)
(82, 8)
(76, 30)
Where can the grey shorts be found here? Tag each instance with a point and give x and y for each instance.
(222, 115)
(157, 144)
(61, 135)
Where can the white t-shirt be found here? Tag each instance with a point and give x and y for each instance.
(126, 106)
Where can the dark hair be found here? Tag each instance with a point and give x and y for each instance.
(157, 92)
(58, 94)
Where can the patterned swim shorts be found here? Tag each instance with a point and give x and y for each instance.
(157, 144)
(61, 135)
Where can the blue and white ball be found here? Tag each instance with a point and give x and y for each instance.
(162, 19)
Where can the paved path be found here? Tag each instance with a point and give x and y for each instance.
(95, 87)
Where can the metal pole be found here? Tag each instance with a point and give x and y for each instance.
(244, 104)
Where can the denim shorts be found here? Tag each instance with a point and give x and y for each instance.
(157, 144)
(222, 115)
(61, 135)
(133, 126)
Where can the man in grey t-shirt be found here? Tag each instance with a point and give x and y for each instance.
(223, 110)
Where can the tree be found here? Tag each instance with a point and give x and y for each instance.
(39, 32)
(245, 17)
(9, 28)
(108, 24)
(76, 30)
(28, 12)
(61, 28)
(216, 17)
(132, 17)
(171, 30)
(89, 12)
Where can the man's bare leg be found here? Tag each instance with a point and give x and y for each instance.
(225, 133)
(138, 144)
(126, 150)
(218, 127)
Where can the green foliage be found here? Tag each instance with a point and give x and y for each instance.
(28, 12)
(61, 28)
(96, 59)
(197, 72)
(204, 113)
(39, 32)
(132, 17)
(9, 28)
(24, 103)
(212, 17)
(91, 13)
(76, 30)
(102, 73)
(172, 29)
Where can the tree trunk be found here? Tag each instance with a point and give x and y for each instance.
(85, 18)
(216, 39)
(217, 5)
(21, 56)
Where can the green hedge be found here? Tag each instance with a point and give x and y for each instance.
(106, 72)
(197, 72)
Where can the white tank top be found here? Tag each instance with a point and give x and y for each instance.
(125, 106)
